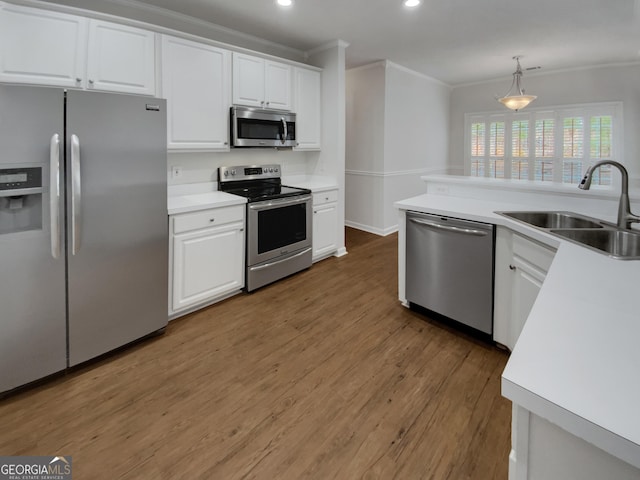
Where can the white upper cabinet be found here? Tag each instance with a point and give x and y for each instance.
(41, 47)
(261, 83)
(308, 108)
(196, 81)
(277, 85)
(121, 59)
(49, 48)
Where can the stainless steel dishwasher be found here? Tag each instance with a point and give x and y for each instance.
(450, 268)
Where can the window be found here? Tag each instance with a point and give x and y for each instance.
(550, 145)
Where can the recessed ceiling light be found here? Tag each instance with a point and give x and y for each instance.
(411, 3)
(285, 3)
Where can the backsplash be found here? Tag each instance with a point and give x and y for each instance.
(203, 167)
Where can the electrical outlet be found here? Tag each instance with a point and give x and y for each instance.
(442, 190)
(176, 172)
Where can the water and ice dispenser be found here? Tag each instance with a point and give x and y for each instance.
(20, 199)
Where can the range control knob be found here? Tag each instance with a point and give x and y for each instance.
(226, 173)
(233, 172)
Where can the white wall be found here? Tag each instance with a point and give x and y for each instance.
(605, 84)
(330, 161)
(397, 130)
(416, 134)
(203, 167)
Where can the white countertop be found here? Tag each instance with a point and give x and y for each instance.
(577, 360)
(192, 197)
(313, 183)
(199, 196)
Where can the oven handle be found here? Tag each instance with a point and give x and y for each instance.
(271, 264)
(278, 203)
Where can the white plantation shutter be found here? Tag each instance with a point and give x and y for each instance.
(601, 147)
(478, 140)
(545, 138)
(548, 145)
(496, 149)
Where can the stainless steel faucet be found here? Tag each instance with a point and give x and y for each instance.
(625, 217)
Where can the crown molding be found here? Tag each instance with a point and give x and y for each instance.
(389, 64)
(326, 46)
(552, 72)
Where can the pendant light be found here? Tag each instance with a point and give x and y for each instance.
(519, 100)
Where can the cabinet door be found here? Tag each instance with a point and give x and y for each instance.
(325, 223)
(196, 81)
(207, 264)
(121, 59)
(277, 85)
(308, 108)
(41, 47)
(527, 282)
(248, 80)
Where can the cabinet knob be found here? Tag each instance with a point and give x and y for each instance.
(226, 143)
(211, 220)
(512, 267)
(90, 82)
(78, 80)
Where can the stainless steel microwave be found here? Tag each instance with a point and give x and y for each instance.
(253, 127)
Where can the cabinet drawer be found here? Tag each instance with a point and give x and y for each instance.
(535, 253)
(321, 198)
(185, 222)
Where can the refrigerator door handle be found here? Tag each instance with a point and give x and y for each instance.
(54, 194)
(76, 195)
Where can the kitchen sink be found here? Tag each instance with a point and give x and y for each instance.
(621, 244)
(598, 235)
(553, 220)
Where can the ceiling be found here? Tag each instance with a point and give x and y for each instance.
(454, 41)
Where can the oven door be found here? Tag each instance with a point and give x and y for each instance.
(279, 227)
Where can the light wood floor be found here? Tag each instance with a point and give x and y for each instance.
(322, 375)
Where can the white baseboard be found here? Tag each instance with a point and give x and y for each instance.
(376, 231)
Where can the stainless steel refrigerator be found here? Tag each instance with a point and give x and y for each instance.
(83, 227)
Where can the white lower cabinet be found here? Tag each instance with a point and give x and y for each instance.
(521, 267)
(206, 257)
(541, 450)
(325, 224)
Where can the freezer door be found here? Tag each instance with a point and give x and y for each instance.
(32, 281)
(117, 220)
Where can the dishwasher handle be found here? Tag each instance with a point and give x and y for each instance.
(450, 228)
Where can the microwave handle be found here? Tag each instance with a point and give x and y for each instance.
(286, 133)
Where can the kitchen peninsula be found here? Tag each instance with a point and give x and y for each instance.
(572, 373)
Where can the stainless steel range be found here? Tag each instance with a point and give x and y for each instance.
(279, 222)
